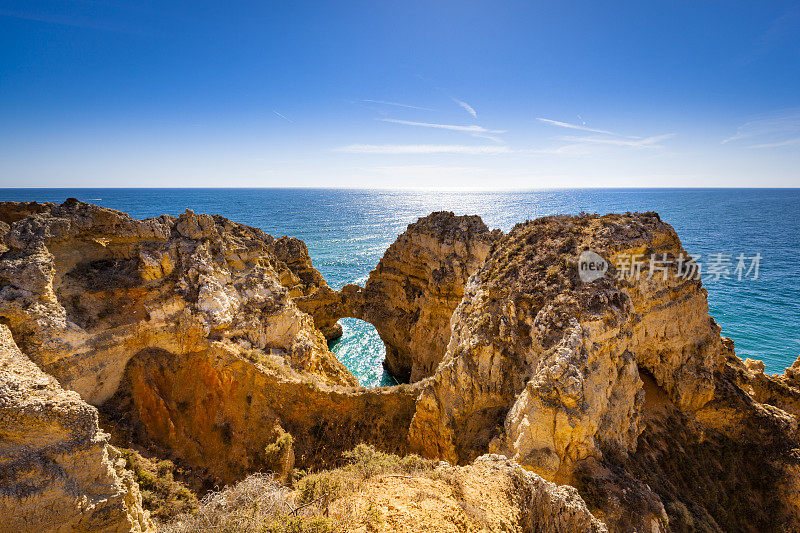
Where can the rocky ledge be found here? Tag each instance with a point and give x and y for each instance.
(203, 341)
(58, 471)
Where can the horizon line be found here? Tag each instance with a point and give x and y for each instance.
(358, 188)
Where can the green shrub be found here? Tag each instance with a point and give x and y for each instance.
(276, 453)
(367, 462)
(161, 494)
(314, 486)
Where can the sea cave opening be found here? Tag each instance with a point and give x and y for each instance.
(362, 351)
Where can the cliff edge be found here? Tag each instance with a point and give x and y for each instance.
(204, 341)
(57, 470)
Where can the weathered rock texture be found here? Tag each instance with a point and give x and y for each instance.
(491, 494)
(548, 365)
(380, 493)
(550, 371)
(219, 410)
(418, 283)
(186, 329)
(204, 340)
(57, 471)
(85, 288)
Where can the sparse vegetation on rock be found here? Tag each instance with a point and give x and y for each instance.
(204, 341)
(375, 491)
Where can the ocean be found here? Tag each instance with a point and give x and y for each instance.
(347, 232)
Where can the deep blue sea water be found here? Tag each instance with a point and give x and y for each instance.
(347, 232)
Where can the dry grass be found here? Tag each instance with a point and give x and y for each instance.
(260, 504)
(255, 504)
(364, 462)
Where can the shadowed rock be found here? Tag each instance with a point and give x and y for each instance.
(57, 471)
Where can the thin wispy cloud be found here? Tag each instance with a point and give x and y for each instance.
(775, 34)
(283, 117)
(405, 149)
(451, 127)
(573, 126)
(788, 142)
(772, 130)
(468, 108)
(87, 22)
(582, 145)
(492, 138)
(432, 171)
(397, 104)
(647, 142)
(574, 149)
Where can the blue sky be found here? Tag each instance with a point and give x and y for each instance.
(404, 94)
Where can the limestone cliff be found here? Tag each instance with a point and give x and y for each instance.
(85, 288)
(203, 341)
(219, 410)
(547, 365)
(57, 471)
(115, 308)
(412, 293)
(551, 371)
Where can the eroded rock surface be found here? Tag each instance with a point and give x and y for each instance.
(550, 371)
(204, 340)
(412, 293)
(186, 328)
(384, 493)
(220, 409)
(84, 288)
(57, 471)
(547, 365)
(491, 494)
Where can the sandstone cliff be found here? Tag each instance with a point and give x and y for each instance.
(85, 288)
(622, 386)
(203, 340)
(548, 366)
(186, 331)
(412, 293)
(57, 471)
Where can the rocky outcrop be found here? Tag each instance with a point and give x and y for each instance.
(191, 324)
(385, 493)
(85, 288)
(312, 294)
(547, 367)
(412, 293)
(204, 341)
(732, 465)
(491, 494)
(57, 471)
(621, 386)
(219, 410)
(191, 334)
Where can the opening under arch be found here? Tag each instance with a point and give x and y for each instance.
(362, 351)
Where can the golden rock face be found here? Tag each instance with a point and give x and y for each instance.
(554, 361)
(206, 340)
(412, 293)
(58, 471)
(187, 329)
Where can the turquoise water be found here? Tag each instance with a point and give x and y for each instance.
(347, 232)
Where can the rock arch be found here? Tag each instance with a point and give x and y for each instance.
(412, 293)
